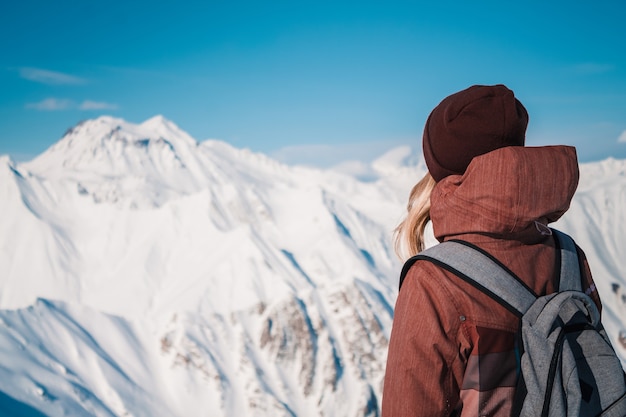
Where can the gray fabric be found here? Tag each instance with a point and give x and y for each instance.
(617, 409)
(587, 358)
(570, 268)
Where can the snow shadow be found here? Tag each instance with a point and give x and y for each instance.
(11, 407)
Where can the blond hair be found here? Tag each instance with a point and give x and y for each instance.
(409, 235)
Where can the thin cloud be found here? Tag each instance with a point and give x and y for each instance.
(50, 104)
(622, 137)
(43, 76)
(358, 169)
(97, 105)
(343, 155)
(56, 104)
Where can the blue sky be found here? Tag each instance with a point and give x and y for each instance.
(316, 82)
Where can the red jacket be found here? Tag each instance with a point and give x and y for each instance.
(451, 350)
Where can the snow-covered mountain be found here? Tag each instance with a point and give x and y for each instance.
(193, 277)
(143, 273)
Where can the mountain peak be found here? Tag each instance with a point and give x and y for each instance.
(398, 160)
(161, 126)
(102, 121)
(159, 123)
(113, 145)
(158, 120)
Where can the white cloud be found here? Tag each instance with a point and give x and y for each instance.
(622, 137)
(308, 154)
(326, 156)
(358, 169)
(50, 104)
(97, 105)
(50, 77)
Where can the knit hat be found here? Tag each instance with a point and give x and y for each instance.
(469, 123)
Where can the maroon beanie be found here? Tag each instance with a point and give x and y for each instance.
(469, 123)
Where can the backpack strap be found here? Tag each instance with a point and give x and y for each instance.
(570, 278)
(479, 269)
(483, 271)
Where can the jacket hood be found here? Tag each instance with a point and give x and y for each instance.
(506, 192)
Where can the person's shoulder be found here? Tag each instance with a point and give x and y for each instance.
(424, 275)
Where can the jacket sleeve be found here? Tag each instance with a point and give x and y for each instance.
(423, 373)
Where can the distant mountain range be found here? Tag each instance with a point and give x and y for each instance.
(144, 273)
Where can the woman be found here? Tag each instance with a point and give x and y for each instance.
(452, 348)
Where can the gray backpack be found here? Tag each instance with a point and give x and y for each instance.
(567, 365)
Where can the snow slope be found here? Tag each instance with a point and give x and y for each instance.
(267, 286)
(143, 273)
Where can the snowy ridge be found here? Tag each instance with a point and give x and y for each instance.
(102, 145)
(265, 285)
(143, 273)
